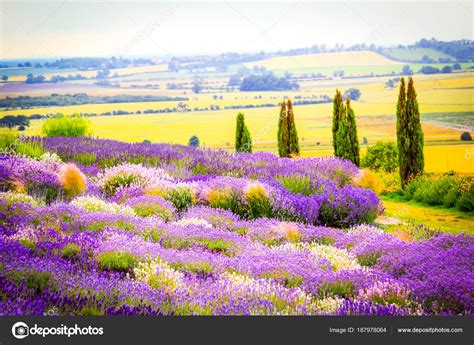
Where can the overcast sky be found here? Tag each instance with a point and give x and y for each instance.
(154, 28)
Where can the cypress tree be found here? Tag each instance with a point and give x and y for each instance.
(293, 145)
(417, 161)
(344, 130)
(353, 152)
(243, 141)
(409, 134)
(337, 111)
(283, 134)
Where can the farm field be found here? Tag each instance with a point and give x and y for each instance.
(360, 58)
(15, 75)
(448, 94)
(416, 54)
(178, 128)
(352, 63)
(436, 94)
(216, 127)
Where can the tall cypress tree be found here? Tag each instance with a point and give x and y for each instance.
(283, 134)
(337, 112)
(353, 153)
(417, 160)
(344, 130)
(293, 145)
(243, 141)
(409, 134)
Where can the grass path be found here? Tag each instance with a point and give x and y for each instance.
(448, 220)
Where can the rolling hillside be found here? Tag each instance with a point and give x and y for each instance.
(357, 58)
(416, 54)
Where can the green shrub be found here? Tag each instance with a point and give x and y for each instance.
(435, 191)
(153, 209)
(466, 136)
(10, 142)
(297, 184)
(259, 205)
(341, 288)
(120, 180)
(71, 251)
(381, 156)
(85, 158)
(33, 149)
(66, 126)
(181, 198)
(38, 281)
(285, 278)
(466, 201)
(7, 140)
(369, 259)
(418, 183)
(193, 141)
(118, 261)
(448, 190)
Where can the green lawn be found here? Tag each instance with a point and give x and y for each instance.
(447, 220)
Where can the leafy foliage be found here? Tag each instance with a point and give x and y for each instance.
(66, 126)
(11, 121)
(266, 82)
(193, 141)
(381, 156)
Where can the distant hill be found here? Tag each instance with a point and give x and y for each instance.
(417, 55)
(339, 59)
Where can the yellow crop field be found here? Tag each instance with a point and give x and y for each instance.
(447, 93)
(216, 128)
(443, 94)
(357, 58)
(449, 157)
(438, 158)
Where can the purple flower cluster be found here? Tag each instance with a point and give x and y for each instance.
(210, 233)
(330, 198)
(210, 261)
(199, 161)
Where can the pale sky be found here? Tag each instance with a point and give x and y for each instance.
(157, 28)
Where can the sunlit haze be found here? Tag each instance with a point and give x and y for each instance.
(126, 28)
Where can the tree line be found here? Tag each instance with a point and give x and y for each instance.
(410, 139)
(55, 99)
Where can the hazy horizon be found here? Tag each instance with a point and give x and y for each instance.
(160, 29)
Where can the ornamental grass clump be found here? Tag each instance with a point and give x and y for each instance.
(257, 199)
(72, 180)
(288, 231)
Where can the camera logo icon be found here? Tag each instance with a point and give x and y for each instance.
(20, 330)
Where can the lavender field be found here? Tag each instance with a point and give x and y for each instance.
(100, 227)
